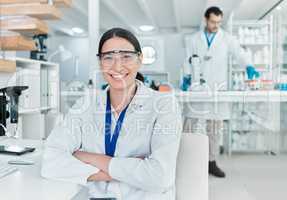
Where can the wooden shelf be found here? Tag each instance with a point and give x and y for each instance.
(16, 43)
(7, 66)
(40, 11)
(66, 3)
(26, 26)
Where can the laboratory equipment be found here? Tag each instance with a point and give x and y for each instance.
(196, 72)
(41, 52)
(192, 73)
(267, 85)
(281, 86)
(186, 83)
(76, 84)
(21, 162)
(13, 93)
(186, 75)
(15, 150)
(251, 73)
(164, 88)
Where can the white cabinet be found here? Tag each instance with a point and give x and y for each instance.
(39, 104)
(42, 78)
(254, 127)
(256, 37)
(281, 51)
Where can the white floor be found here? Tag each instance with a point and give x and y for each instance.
(251, 177)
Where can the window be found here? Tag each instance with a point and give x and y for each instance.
(149, 55)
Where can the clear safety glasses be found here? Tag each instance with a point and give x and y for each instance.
(108, 59)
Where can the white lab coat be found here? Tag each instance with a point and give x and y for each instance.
(215, 71)
(151, 128)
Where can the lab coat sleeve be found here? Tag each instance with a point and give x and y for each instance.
(58, 162)
(155, 173)
(238, 52)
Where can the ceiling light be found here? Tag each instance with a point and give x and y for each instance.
(78, 30)
(146, 28)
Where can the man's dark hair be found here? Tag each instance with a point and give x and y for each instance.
(213, 10)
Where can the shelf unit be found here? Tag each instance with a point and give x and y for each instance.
(26, 17)
(40, 11)
(24, 25)
(39, 104)
(281, 51)
(20, 21)
(256, 37)
(43, 81)
(7, 66)
(16, 43)
(249, 133)
(65, 3)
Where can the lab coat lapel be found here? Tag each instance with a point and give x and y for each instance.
(139, 98)
(135, 105)
(203, 39)
(217, 41)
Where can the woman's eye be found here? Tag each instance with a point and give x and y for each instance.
(127, 56)
(108, 57)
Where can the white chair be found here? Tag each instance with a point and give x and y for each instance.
(192, 168)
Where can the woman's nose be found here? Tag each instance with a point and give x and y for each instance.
(117, 64)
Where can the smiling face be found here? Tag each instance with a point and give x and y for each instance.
(119, 69)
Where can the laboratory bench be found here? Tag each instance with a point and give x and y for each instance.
(232, 96)
(27, 183)
(257, 122)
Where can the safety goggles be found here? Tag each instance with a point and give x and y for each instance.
(109, 58)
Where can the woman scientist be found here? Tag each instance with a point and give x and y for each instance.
(124, 144)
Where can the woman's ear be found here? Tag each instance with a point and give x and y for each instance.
(141, 58)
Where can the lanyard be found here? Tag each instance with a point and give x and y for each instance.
(209, 39)
(111, 141)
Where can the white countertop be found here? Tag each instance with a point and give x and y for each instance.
(232, 96)
(27, 183)
(218, 96)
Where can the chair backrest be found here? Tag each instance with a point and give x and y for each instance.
(192, 168)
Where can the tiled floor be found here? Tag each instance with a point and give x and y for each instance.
(251, 177)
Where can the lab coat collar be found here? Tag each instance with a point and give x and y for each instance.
(203, 38)
(137, 103)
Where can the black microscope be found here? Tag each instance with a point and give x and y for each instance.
(13, 94)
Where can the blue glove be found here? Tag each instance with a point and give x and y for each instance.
(251, 72)
(186, 83)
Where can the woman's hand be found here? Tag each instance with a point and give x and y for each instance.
(100, 176)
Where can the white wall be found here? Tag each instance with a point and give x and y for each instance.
(174, 54)
(173, 47)
(78, 47)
